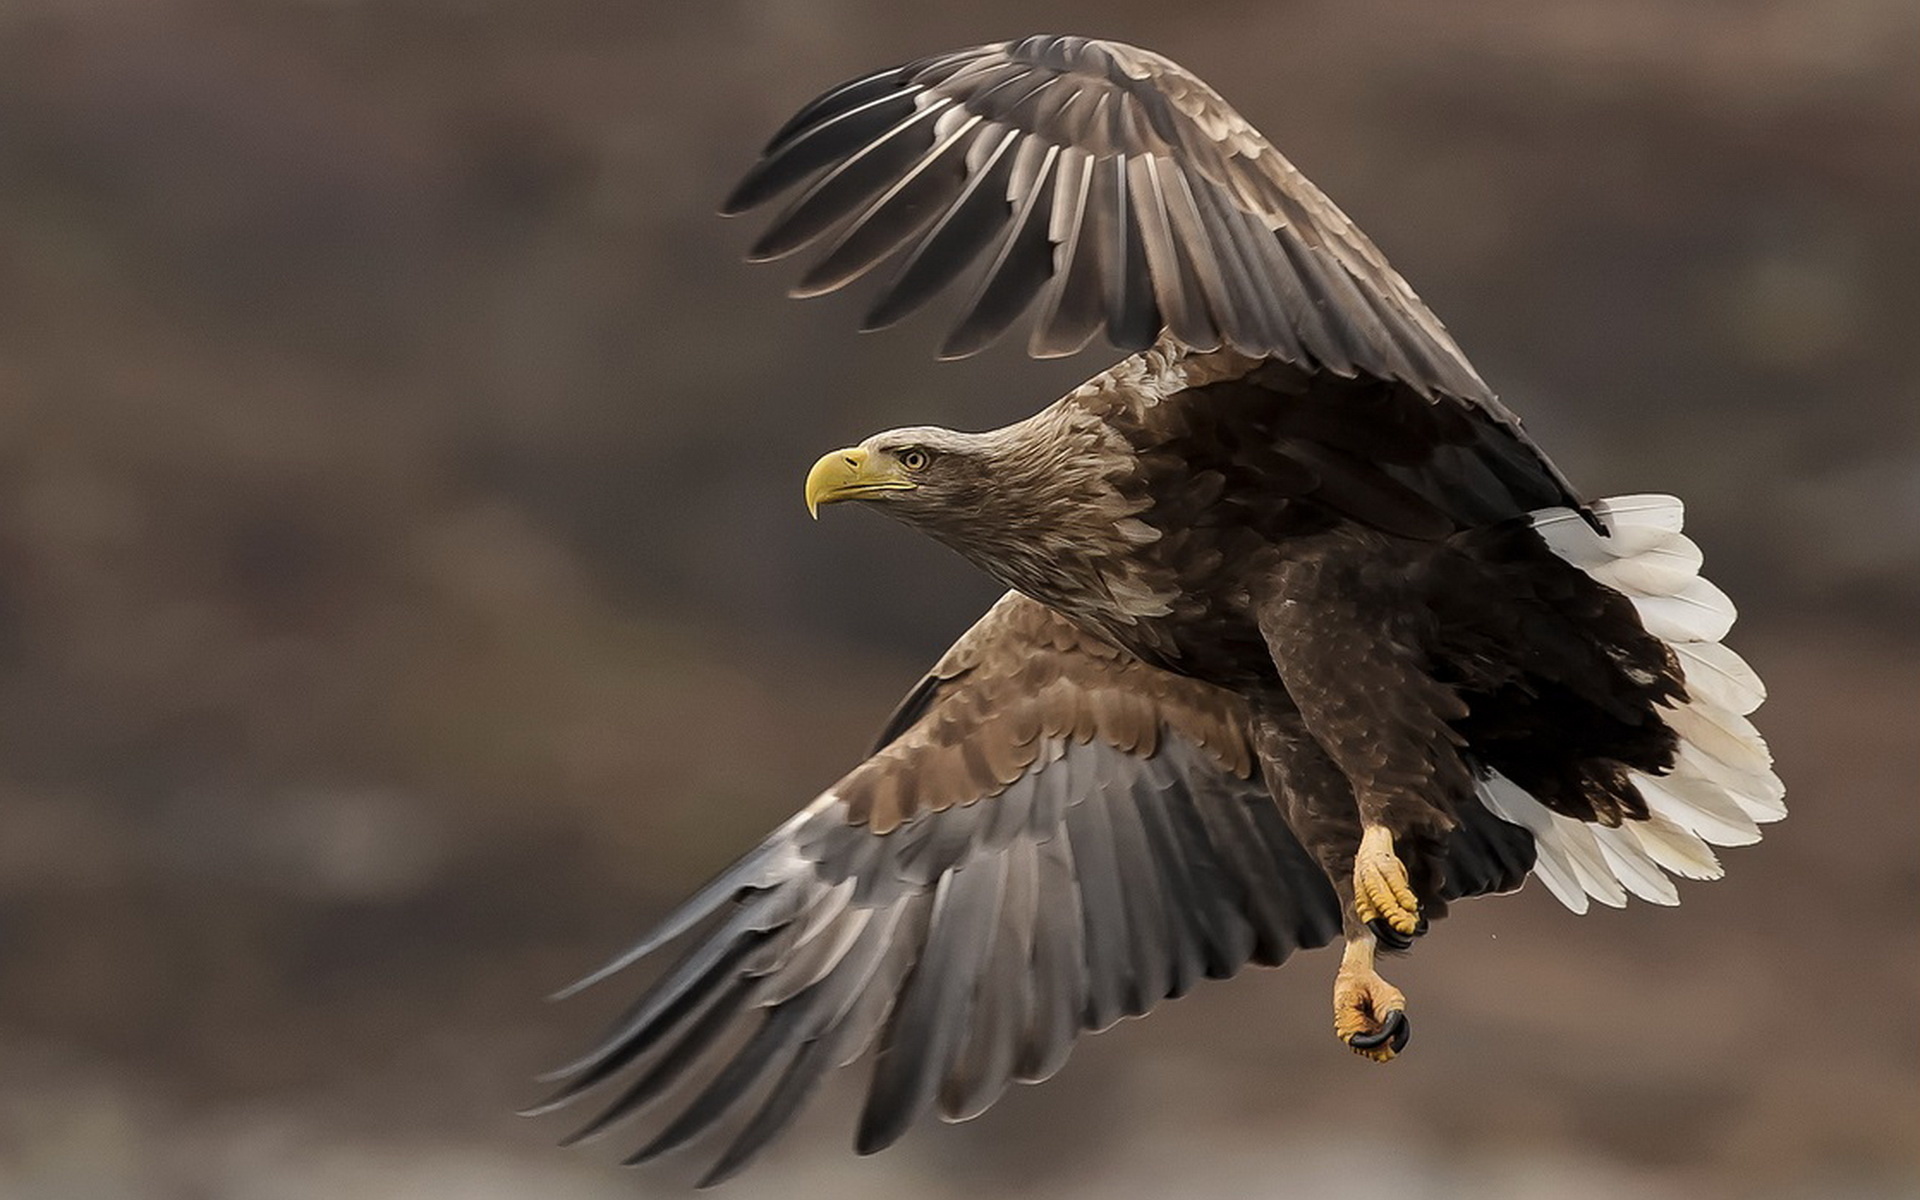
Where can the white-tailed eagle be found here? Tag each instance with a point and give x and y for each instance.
(1305, 638)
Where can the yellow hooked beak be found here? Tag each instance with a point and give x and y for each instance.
(851, 473)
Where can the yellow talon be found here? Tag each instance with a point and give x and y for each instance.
(1380, 887)
(1369, 1014)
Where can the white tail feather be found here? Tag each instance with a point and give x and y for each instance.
(1641, 510)
(1570, 537)
(1633, 867)
(1760, 789)
(1715, 673)
(1699, 807)
(1764, 809)
(1726, 736)
(1568, 857)
(1505, 799)
(1722, 786)
(1676, 850)
(1658, 572)
(1639, 523)
(1698, 612)
(1589, 864)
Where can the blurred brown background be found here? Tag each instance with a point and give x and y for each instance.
(405, 591)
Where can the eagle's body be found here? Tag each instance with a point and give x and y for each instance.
(1385, 538)
(1305, 638)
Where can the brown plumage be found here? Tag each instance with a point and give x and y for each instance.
(1305, 637)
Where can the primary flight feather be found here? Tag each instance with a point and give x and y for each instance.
(1305, 638)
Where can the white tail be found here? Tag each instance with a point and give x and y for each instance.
(1722, 787)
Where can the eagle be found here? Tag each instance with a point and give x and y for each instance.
(1304, 637)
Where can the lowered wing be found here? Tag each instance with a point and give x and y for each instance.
(1053, 836)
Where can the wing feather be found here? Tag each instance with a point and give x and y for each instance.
(693, 1043)
(932, 1012)
(850, 186)
(1133, 312)
(961, 232)
(1060, 969)
(983, 1066)
(1074, 306)
(899, 215)
(1020, 269)
(1089, 835)
(1176, 290)
(818, 143)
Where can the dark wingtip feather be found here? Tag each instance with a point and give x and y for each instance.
(696, 908)
(932, 1011)
(873, 1135)
(670, 1066)
(553, 1103)
(966, 229)
(858, 180)
(900, 215)
(1022, 267)
(820, 145)
(806, 1071)
(771, 1046)
(662, 1006)
(834, 101)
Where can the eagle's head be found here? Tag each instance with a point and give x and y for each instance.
(922, 475)
(1034, 504)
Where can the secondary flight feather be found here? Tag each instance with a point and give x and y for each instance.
(1305, 638)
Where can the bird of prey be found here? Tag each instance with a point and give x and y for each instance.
(1304, 638)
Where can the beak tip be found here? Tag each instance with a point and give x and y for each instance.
(827, 481)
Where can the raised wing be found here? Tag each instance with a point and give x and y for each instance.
(1110, 183)
(1053, 836)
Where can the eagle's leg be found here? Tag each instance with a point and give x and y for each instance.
(1369, 1014)
(1382, 895)
(1349, 642)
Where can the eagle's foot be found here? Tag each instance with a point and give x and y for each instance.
(1369, 1014)
(1382, 897)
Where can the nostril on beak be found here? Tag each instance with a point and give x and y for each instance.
(851, 460)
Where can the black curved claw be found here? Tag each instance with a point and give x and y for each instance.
(1393, 939)
(1394, 1028)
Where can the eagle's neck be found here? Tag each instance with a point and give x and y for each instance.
(1057, 518)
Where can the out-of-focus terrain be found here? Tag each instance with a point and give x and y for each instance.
(405, 594)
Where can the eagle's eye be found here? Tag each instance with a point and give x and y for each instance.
(915, 460)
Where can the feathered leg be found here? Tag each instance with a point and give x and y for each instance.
(1369, 1014)
(1347, 635)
